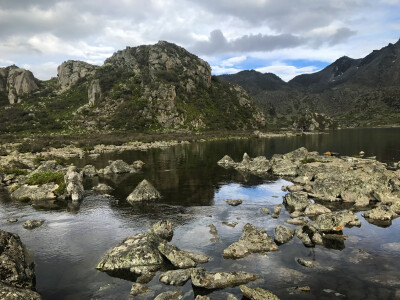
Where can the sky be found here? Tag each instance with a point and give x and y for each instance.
(285, 37)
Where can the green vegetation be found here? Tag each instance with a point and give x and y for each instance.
(308, 160)
(13, 171)
(38, 160)
(47, 177)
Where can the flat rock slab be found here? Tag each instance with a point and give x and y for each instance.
(220, 280)
(180, 258)
(176, 277)
(257, 294)
(234, 202)
(253, 240)
(171, 295)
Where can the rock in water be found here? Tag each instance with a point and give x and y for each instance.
(138, 289)
(12, 293)
(31, 224)
(135, 254)
(257, 294)
(74, 181)
(179, 258)
(163, 229)
(144, 191)
(296, 201)
(102, 188)
(234, 202)
(220, 280)
(335, 221)
(171, 295)
(253, 240)
(283, 234)
(176, 277)
(17, 266)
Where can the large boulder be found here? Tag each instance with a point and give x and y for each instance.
(253, 240)
(17, 266)
(220, 280)
(144, 191)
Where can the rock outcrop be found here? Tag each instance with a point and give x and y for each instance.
(72, 71)
(16, 82)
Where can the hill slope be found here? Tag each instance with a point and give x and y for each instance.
(355, 92)
(146, 88)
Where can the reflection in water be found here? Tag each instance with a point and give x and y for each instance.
(73, 239)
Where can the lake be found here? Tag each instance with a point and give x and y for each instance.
(73, 240)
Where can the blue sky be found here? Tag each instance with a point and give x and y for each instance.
(287, 38)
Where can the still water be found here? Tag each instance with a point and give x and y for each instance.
(72, 241)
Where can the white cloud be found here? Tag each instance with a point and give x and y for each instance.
(218, 70)
(230, 62)
(286, 72)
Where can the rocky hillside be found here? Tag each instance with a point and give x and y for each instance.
(354, 92)
(147, 88)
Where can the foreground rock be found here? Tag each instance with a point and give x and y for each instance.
(257, 294)
(144, 191)
(138, 289)
(141, 255)
(17, 274)
(296, 201)
(220, 280)
(31, 224)
(283, 234)
(253, 240)
(74, 181)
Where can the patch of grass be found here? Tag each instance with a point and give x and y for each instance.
(13, 188)
(39, 159)
(17, 172)
(46, 177)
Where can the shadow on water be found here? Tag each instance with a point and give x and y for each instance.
(363, 264)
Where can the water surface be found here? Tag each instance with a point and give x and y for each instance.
(72, 240)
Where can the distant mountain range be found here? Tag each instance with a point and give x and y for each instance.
(356, 92)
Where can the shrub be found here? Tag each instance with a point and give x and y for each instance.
(46, 177)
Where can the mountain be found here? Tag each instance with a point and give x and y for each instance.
(146, 88)
(354, 92)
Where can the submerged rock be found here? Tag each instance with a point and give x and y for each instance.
(144, 191)
(253, 240)
(283, 234)
(265, 210)
(306, 263)
(176, 277)
(234, 202)
(220, 280)
(257, 294)
(31, 224)
(300, 221)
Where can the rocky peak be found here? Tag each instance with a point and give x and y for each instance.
(72, 71)
(15, 82)
(162, 58)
